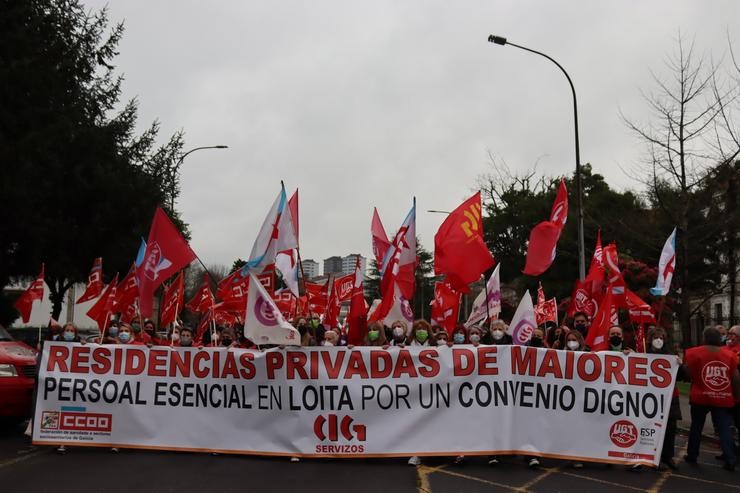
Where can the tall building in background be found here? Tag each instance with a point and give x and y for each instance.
(333, 265)
(310, 268)
(349, 262)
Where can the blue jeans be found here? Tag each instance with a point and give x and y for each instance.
(722, 419)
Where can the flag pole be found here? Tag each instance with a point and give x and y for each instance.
(485, 283)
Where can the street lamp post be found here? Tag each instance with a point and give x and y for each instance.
(179, 163)
(499, 40)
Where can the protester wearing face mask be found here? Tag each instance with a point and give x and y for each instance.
(581, 323)
(434, 329)
(375, 335)
(616, 340)
(126, 335)
(149, 334)
(656, 342)
(574, 341)
(110, 335)
(331, 339)
(459, 335)
(419, 333)
(399, 331)
(442, 338)
(69, 333)
(186, 337)
(228, 338)
(475, 335)
(537, 339)
(498, 333)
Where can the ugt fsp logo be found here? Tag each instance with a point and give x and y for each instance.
(329, 428)
(623, 434)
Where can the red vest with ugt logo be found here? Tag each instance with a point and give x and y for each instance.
(711, 377)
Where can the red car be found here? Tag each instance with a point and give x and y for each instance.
(17, 374)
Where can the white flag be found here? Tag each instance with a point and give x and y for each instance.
(287, 263)
(666, 266)
(263, 323)
(276, 235)
(524, 321)
(491, 295)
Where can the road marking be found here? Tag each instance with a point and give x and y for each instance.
(602, 481)
(666, 474)
(694, 478)
(11, 462)
(481, 480)
(423, 473)
(548, 472)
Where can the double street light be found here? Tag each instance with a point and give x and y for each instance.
(499, 40)
(179, 163)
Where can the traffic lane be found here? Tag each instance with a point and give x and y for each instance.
(99, 469)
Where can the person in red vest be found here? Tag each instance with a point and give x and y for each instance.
(714, 380)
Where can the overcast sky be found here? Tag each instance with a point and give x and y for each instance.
(363, 104)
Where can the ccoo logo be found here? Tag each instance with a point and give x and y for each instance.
(623, 434)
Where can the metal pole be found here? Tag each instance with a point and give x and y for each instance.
(177, 169)
(579, 184)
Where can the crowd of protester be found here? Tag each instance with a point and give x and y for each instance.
(719, 344)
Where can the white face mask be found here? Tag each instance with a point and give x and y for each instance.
(573, 345)
(441, 342)
(498, 334)
(398, 331)
(175, 336)
(474, 338)
(328, 343)
(658, 343)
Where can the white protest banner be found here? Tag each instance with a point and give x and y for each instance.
(363, 402)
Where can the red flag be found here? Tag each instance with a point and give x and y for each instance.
(286, 303)
(445, 306)
(357, 317)
(202, 327)
(545, 310)
(293, 207)
(166, 253)
(559, 212)
(318, 296)
(127, 291)
(543, 238)
(203, 299)
(596, 273)
(34, 292)
(459, 250)
(172, 301)
(639, 311)
(343, 287)
(614, 275)
(105, 306)
(581, 300)
(540, 295)
(331, 318)
(94, 282)
(598, 334)
(380, 239)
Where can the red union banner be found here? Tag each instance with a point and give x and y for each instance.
(335, 402)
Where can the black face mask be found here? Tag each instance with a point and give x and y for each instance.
(302, 329)
(226, 341)
(581, 328)
(615, 341)
(536, 342)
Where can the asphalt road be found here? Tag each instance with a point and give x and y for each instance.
(28, 469)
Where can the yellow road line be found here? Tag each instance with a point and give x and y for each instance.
(11, 462)
(602, 481)
(547, 471)
(484, 481)
(709, 481)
